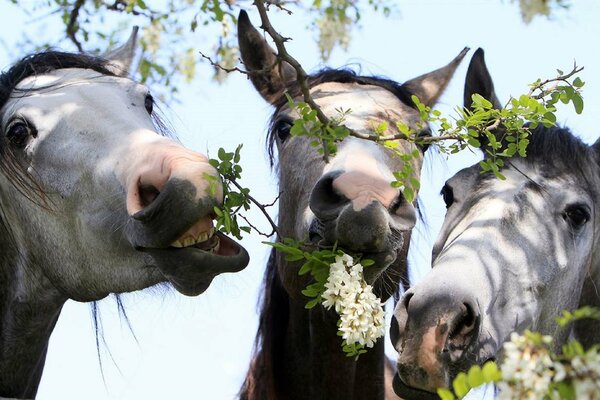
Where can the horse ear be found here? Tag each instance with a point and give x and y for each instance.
(268, 75)
(479, 81)
(121, 58)
(429, 87)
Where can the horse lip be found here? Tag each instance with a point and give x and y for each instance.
(409, 393)
(191, 270)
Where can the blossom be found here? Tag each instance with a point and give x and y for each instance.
(531, 371)
(361, 312)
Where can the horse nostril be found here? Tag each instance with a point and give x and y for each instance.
(406, 300)
(466, 322)
(325, 201)
(148, 194)
(394, 331)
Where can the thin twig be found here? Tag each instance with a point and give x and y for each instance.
(261, 207)
(72, 26)
(301, 75)
(279, 5)
(222, 68)
(560, 78)
(268, 235)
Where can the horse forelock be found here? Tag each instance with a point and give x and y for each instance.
(342, 75)
(559, 151)
(43, 63)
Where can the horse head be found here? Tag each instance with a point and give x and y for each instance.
(348, 200)
(511, 255)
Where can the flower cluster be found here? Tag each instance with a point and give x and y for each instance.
(361, 312)
(530, 370)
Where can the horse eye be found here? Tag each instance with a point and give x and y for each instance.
(149, 103)
(448, 195)
(282, 128)
(18, 133)
(576, 215)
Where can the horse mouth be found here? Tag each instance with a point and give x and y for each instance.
(320, 235)
(411, 393)
(192, 261)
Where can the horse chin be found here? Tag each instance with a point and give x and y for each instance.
(409, 393)
(191, 269)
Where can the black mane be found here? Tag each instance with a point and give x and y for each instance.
(343, 75)
(44, 62)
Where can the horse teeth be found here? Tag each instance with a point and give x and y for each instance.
(191, 241)
(217, 246)
(177, 244)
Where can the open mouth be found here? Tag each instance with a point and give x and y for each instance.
(192, 261)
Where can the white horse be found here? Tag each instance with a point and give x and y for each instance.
(93, 200)
(511, 255)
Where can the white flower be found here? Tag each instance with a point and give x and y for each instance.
(530, 369)
(361, 312)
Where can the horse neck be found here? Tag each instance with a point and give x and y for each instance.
(29, 309)
(299, 354)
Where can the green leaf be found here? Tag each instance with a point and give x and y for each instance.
(367, 262)
(445, 394)
(461, 385)
(578, 82)
(490, 372)
(312, 303)
(475, 376)
(305, 269)
(577, 103)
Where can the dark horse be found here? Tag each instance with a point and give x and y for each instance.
(511, 255)
(348, 201)
(93, 200)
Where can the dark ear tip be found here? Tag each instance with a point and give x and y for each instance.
(243, 18)
(479, 53)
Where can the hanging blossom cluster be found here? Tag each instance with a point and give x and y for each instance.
(531, 371)
(361, 313)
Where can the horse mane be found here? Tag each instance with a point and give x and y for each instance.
(342, 75)
(269, 342)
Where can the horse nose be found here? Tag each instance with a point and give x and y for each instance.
(171, 194)
(167, 163)
(336, 190)
(435, 329)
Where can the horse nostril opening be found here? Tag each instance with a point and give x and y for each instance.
(406, 300)
(148, 194)
(468, 320)
(325, 201)
(394, 331)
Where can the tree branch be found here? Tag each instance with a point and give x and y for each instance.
(72, 26)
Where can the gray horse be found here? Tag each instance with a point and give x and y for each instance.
(511, 255)
(93, 200)
(348, 201)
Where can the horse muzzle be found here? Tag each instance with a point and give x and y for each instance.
(368, 221)
(176, 231)
(437, 335)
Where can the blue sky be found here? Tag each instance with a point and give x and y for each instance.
(200, 347)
